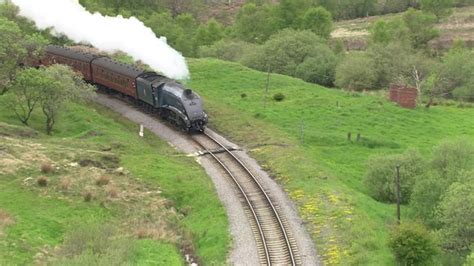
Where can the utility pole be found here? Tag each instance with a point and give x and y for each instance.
(398, 194)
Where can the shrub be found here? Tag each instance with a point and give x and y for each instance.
(279, 97)
(243, 95)
(102, 180)
(65, 183)
(230, 50)
(112, 191)
(381, 173)
(412, 244)
(286, 50)
(42, 181)
(88, 195)
(320, 69)
(456, 215)
(46, 168)
(356, 72)
(452, 156)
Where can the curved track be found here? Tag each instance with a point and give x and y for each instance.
(274, 243)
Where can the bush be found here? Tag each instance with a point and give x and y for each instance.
(42, 181)
(230, 50)
(46, 168)
(381, 173)
(65, 183)
(412, 244)
(288, 49)
(88, 195)
(453, 156)
(279, 97)
(456, 215)
(320, 69)
(356, 72)
(102, 180)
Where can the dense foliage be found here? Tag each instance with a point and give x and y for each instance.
(413, 244)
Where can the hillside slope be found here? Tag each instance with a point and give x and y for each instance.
(111, 196)
(302, 140)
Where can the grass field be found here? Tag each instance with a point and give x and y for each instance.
(302, 141)
(160, 203)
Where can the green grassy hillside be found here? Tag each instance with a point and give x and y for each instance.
(302, 140)
(161, 202)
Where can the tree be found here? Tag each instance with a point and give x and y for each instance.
(452, 156)
(319, 21)
(440, 8)
(285, 51)
(421, 27)
(426, 195)
(381, 171)
(230, 50)
(456, 214)
(320, 69)
(255, 24)
(26, 92)
(356, 72)
(385, 32)
(63, 86)
(12, 52)
(412, 244)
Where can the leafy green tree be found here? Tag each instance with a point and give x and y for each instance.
(320, 69)
(356, 72)
(12, 52)
(440, 8)
(215, 31)
(451, 159)
(286, 50)
(452, 156)
(255, 24)
(319, 21)
(386, 32)
(427, 193)
(381, 171)
(454, 77)
(413, 244)
(209, 34)
(26, 92)
(421, 27)
(230, 50)
(391, 62)
(469, 260)
(456, 214)
(62, 85)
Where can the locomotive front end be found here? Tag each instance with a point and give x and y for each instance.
(196, 115)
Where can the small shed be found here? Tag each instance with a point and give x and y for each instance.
(404, 95)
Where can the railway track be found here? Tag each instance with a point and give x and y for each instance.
(276, 247)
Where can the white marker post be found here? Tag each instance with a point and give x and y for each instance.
(141, 131)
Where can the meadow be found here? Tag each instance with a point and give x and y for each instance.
(303, 142)
(156, 204)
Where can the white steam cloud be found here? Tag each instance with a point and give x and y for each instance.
(106, 33)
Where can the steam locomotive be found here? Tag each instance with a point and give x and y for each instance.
(157, 93)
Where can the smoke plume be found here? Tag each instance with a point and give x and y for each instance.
(106, 33)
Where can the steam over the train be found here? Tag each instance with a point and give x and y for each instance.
(155, 92)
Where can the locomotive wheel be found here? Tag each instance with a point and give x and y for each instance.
(182, 125)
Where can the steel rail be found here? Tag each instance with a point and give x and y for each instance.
(287, 241)
(262, 235)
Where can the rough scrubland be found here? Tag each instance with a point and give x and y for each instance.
(96, 193)
(303, 141)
